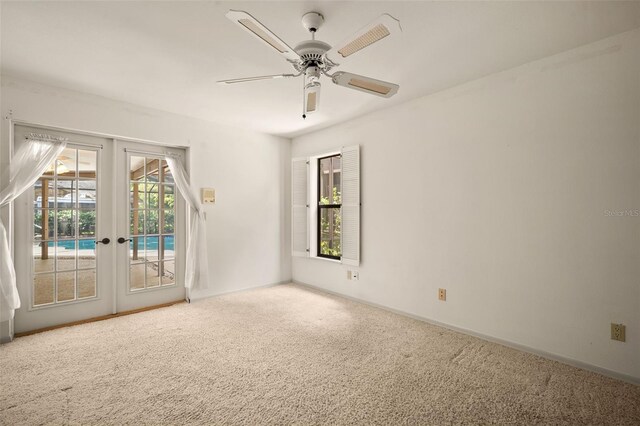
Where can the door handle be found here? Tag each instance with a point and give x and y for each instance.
(122, 240)
(104, 241)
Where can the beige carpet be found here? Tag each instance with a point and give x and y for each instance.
(288, 355)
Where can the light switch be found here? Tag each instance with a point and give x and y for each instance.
(208, 195)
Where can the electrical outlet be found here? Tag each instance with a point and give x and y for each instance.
(442, 294)
(618, 332)
(355, 275)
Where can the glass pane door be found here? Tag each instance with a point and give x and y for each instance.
(100, 232)
(62, 274)
(64, 229)
(150, 226)
(152, 213)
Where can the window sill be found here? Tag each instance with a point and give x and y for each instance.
(326, 259)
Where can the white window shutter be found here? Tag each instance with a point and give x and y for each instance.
(299, 207)
(350, 226)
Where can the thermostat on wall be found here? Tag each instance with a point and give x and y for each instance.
(208, 195)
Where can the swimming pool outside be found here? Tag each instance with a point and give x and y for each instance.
(89, 244)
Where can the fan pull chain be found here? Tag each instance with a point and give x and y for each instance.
(304, 82)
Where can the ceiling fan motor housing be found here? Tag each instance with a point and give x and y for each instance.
(311, 52)
(311, 49)
(312, 21)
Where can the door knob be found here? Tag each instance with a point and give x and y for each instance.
(122, 240)
(104, 241)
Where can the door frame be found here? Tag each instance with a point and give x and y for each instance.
(9, 328)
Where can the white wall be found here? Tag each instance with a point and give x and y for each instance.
(247, 235)
(497, 191)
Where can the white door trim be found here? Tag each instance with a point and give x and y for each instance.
(111, 142)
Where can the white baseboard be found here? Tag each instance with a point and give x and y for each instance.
(238, 290)
(548, 355)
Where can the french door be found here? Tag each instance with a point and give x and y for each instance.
(150, 228)
(101, 232)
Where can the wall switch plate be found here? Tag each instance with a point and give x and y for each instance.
(618, 332)
(208, 195)
(442, 294)
(355, 275)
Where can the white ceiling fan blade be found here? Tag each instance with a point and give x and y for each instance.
(383, 26)
(261, 77)
(365, 84)
(311, 98)
(255, 28)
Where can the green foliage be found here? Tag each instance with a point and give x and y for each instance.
(87, 223)
(153, 216)
(326, 250)
(330, 233)
(65, 223)
(336, 198)
(87, 218)
(153, 222)
(37, 225)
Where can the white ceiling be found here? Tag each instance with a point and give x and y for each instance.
(168, 55)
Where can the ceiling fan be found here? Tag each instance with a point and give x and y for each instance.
(313, 58)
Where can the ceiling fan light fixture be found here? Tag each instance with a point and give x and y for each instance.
(311, 102)
(251, 26)
(371, 86)
(311, 95)
(373, 35)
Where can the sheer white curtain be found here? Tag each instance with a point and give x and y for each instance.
(197, 268)
(27, 165)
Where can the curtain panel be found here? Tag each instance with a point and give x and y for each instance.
(30, 161)
(196, 268)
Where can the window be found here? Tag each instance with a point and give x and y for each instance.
(325, 206)
(152, 215)
(64, 229)
(329, 205)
